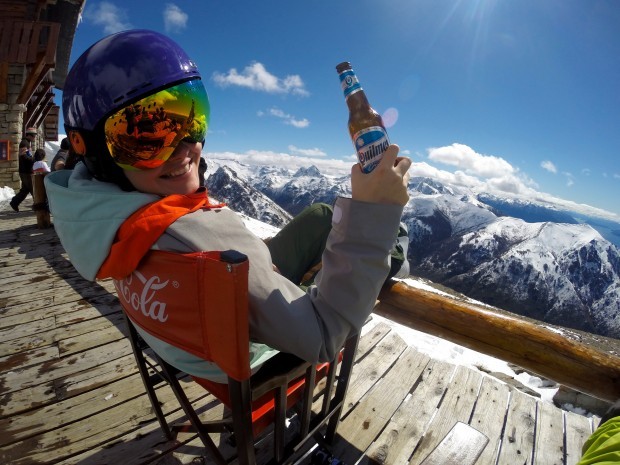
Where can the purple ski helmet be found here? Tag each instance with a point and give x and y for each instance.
(112, 73)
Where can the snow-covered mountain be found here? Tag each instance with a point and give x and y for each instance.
(225, 185)
(528, 211)
(304, 187)
(539, 212)
(562, 273)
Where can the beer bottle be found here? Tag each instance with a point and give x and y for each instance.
(366, 127)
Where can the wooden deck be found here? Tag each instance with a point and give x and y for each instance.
(70, 392)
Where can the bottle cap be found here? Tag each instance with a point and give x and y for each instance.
(343, 66)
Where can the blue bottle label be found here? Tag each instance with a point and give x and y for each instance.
(349, 83)
(370, 144)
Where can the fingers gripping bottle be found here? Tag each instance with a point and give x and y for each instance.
(365, 124)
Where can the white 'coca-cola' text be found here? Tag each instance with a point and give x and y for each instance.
(144, 301)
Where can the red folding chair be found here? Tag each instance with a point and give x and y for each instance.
(199, 302)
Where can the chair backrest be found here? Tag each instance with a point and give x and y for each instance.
(197, 302)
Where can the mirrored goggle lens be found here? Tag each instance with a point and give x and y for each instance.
(144, 134)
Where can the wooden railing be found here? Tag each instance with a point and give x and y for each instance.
(534, 347)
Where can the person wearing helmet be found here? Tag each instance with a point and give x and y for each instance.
(26, 160)
(138, 162)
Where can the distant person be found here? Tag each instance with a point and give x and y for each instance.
(40, 165)
(26, 160)
(131, 195)
(72, 159)
(202, 169)
(60, 159)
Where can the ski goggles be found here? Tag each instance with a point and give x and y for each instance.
(144, 134)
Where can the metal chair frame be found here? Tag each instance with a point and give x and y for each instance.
(283, 382)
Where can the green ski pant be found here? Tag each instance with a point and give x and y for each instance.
(299, 245)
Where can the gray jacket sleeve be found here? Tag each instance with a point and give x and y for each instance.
(314, 324)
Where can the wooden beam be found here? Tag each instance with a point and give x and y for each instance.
(6, 33)
(35, 77)
(50, 124)
(38, 100)
(29, 40)
(44, 91)
(52, 43)
(34, 117)
(22, 42)
(14, 10)
(4, 78)
(43, 114)
(15, 41)
(533, 347)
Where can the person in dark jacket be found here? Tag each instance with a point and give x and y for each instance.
(60, 159)
(26, 160)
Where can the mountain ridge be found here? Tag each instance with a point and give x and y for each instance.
(564, 273)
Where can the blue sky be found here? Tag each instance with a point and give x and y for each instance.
(517, 98)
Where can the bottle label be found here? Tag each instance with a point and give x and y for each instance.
(349, 83)
(370, 144)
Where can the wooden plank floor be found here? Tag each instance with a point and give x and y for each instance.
(70, 392)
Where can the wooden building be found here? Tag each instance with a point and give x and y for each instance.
(36, 37)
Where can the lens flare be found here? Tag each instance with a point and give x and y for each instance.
(390, 116)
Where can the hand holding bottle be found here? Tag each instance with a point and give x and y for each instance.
(366, 126)
(381, 175)
(386, 184)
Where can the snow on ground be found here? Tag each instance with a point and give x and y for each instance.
(6, 193)
(262, 230)
(440, 349)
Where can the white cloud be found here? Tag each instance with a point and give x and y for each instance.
(549, 166)
(175, 19)
(315, 152)
(459, 178)
(570, 180)
(328, 167)
(586, 171)
(108, 15)
(288, 119)
(511, 183)
(466, 158)
(256, 77)
(494, 173)
(507, 185)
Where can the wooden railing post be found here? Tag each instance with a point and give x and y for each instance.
(40, 201)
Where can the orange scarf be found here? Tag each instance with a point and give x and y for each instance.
(141, 230)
